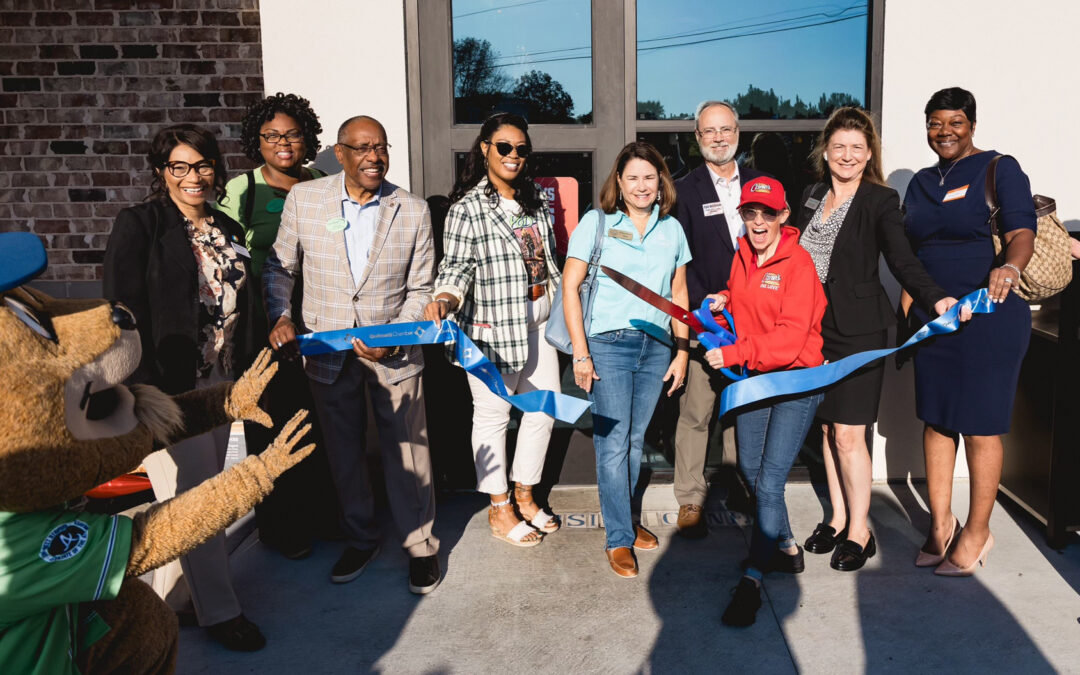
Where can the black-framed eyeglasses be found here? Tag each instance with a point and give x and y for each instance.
(380, 149)
(180, 169)
(749, 215)
(273, 137)
(504, 149)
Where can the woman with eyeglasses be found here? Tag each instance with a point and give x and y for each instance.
(849, 220)
(776, 303)
(625, 357)
(182, 269)
(497, 278)
(281, 132)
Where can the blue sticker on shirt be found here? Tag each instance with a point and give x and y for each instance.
(65, 541)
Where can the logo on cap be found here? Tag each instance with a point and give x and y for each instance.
(761, 187)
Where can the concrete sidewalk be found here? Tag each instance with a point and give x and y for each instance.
(557, 608)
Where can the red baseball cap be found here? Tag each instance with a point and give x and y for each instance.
(766, 191)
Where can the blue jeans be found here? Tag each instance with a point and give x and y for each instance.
(631, 365)
(769, 441)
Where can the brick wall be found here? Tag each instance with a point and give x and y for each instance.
(85, 84)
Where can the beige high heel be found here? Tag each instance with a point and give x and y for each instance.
(925, 559)
(948, 569)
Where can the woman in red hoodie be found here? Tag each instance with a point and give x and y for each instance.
(777, 303)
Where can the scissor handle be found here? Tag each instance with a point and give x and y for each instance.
(718, 335)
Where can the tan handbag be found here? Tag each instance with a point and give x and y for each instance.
(1050, 269)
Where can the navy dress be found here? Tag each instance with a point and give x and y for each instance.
(965, 382)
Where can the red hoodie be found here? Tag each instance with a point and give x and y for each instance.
(777, 308)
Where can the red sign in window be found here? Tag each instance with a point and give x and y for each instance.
(562, 195)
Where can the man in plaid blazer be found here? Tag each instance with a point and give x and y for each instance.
(365, 251)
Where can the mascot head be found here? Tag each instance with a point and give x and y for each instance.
(65, 415)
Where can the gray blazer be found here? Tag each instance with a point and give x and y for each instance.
(395, 287)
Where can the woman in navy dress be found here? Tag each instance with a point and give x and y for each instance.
(965, 382)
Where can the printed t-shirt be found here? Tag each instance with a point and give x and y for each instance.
(527, 234)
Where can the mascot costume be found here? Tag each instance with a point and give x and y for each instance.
(70, 600)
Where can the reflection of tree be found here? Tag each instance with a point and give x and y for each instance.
(757, 103)
(545, 98)
(475, 72)
(650, 110)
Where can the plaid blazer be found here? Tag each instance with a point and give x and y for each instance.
(395, 287)
(484, 269)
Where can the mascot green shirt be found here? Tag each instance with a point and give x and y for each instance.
(46, 559)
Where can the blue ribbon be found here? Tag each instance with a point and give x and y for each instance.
(560, 406)
(786, 382)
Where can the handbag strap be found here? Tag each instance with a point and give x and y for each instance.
(594, 257)
(990, 193)
(249, 198)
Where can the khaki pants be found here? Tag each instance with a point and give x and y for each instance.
(697, 417)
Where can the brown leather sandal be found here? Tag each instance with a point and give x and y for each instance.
(541, 519)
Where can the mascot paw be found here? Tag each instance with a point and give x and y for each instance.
(279, 457)
(243, 400)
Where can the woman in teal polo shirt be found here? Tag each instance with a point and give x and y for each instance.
(626, 357)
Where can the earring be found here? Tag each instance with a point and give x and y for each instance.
(825, 156)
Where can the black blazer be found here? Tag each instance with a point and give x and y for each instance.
(150, 267)
(708, 236)
(874, 226)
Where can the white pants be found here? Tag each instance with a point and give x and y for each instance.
(206, 568)
(491, 414)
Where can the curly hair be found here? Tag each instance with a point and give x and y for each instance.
(200, 139)
(525, 191)
(263, 111)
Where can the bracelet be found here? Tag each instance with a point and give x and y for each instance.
(583, 359)
(682, 344)
(1014, 268)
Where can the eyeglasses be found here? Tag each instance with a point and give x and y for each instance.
(749, 215)
(722, 131)
(180, 169)
(379, 149)
(505, 149)
(273, 137)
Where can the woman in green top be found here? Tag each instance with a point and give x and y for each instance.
(281, 132)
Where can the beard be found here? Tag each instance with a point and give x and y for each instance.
(719, 155)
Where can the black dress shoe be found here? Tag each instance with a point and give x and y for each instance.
(744, 604)
(849, 556)
(424, 574)
(351, 563)
(788, 564)
(295, 547)
(237, 634)
(824, 539)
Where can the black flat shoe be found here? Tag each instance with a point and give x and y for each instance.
(782, 562)
(824, 539)
(237, 634)
(745, 602)
(849, 556)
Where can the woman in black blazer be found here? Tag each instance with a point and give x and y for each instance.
(848, 220)
(181, 268)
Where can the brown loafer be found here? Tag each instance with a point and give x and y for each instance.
(622, 562)
(691, 522)
(646, 541)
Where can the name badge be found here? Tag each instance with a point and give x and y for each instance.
(240, 250)
(713, 209)
(957, 193)
(812, 203)
(619, 234)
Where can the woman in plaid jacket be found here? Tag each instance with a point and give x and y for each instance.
(498, 277)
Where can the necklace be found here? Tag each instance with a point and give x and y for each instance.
(941, 183)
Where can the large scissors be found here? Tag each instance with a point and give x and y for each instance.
(709, 333)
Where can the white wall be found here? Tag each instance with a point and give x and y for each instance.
(348, 58)
(1019, 61)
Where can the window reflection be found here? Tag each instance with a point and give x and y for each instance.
(530, 57)
(773, 59)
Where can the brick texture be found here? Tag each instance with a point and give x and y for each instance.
(83, 88)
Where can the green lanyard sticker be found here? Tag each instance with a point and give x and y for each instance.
(336, 224)
(275, 205)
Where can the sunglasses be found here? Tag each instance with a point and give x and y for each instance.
(749, 215)
(504, 149)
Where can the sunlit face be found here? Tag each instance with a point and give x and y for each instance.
(193, 189)
(364, 169)
(763, 225)
(282, 155)
(717, 135)
(639, 184)
(950, 134)
(508, 168)
(847, 153)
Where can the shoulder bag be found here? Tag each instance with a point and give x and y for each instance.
(557, 334)
(1050, 269)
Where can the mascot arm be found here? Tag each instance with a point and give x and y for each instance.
(209, 408)
(170, 529)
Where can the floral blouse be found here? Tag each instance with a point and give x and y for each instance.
(221, 276)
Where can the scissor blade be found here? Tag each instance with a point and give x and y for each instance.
(655, 299)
